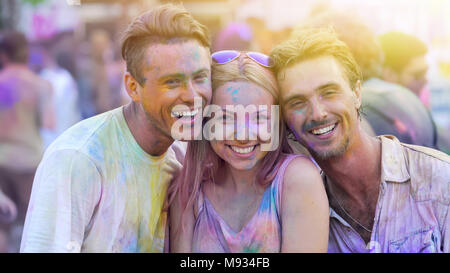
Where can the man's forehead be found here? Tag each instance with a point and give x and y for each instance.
(166, 53)
(311, 73)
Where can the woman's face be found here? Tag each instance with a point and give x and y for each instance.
(241, 147)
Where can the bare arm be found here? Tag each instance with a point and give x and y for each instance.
(304, 209)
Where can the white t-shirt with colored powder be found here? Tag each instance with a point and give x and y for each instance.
(96, 190)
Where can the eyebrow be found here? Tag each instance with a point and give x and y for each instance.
(319, 88)
(201, 70)
(182, 75)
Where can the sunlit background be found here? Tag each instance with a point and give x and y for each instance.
(87, 26)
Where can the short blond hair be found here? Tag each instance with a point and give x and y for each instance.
(309, 43)
(164, 24)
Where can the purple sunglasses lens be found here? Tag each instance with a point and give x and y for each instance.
(224, 56)
(261, 58)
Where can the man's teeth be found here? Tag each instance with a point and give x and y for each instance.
(323, 130)
(184, 114)
(242, 150)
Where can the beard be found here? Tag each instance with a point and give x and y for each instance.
(330, 153)
(155, 124)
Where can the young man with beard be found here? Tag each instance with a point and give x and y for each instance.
(101, 186)
(385, 196)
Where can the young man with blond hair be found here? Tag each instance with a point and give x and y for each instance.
(385, 196)
(101, 186)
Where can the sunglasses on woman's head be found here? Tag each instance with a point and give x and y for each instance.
(226, 56)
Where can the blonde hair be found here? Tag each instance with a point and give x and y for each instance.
(164, 24)
(360, 39)
(308, 43)
(246, 70)
(201, 163)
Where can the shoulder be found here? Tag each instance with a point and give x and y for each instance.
(429, 172)
(427, 153)
(378, 86)
(301, 173)
(301, 165)
(426, 169)
(87, 135)
(67, 161)
(67, 171)
(303, 187)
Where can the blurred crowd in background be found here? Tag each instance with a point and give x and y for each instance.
(60, 63)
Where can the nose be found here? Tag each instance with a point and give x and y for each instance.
(246, 131)
(318, 111)
(188, 93)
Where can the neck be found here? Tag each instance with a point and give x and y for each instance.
(241, 180)
(147, 135)
(357, 172)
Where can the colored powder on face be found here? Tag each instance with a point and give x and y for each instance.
(196, 56)
(299, 111)
(234, 95)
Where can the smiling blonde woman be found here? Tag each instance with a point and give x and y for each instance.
(232, 196)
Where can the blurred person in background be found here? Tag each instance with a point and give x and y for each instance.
(262, 38)
(235, 36)
(25, 108)
(8, 212)
(439, 85)
(387, 108)
(65, 97)
(405, 64)
(105, 89)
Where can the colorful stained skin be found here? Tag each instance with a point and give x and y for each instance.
(261, 234)
(96, 190)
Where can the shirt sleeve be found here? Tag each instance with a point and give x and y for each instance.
(66, 191)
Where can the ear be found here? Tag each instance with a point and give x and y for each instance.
(131, 85)
(357, 94)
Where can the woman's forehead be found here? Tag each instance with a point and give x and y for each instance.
(241, 92)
